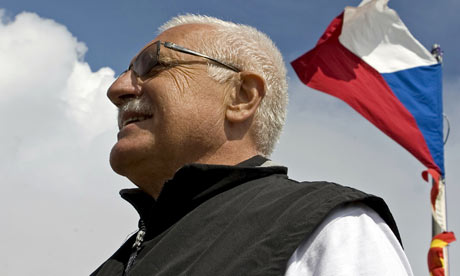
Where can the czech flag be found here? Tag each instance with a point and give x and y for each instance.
(368, 58)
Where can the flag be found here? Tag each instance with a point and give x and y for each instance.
(436, 263)
(368, 58)
(437, 198)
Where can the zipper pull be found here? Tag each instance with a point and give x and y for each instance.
(136, 247)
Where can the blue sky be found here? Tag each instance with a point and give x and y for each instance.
(115, 30)
(60, 195)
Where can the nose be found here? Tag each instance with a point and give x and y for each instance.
(124, 88)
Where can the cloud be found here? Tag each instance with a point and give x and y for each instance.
(57, 130)
(52, 100)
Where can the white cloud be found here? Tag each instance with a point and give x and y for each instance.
(52, 100)
(57, 130)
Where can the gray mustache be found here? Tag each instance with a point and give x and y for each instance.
(138, 105)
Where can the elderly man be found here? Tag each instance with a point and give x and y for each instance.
(200, 109)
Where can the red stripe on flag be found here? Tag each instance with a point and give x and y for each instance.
(333, 69)
(447, 237)
(435, 261)
(436, 254)
(435, 188)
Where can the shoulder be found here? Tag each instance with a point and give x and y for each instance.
(319, 198)
(352, 240)
(280, 182)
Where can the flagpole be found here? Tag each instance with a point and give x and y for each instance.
(439, 220)
(439, 217)
(446, 249)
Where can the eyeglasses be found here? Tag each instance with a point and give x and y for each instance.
(149, 58)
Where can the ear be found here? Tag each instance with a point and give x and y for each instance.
(246, 97)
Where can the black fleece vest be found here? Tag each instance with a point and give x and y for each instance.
(231, 220)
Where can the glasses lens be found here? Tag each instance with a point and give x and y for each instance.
(146, 60)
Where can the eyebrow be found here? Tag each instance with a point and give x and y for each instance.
(167, 60)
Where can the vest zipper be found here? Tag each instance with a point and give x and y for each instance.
(136, 247)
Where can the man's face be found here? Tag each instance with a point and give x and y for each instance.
(180, 120)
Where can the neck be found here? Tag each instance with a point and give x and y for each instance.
(230, 153)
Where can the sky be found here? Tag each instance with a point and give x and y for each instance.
(60, 209)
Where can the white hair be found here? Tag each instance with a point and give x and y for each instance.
(249, 50)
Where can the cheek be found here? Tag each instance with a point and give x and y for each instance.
(164, 96)
(187, 101)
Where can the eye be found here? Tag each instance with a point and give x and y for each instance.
(158, 68)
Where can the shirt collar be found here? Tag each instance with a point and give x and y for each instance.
(193, 184)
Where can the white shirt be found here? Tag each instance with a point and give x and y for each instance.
(353, 240)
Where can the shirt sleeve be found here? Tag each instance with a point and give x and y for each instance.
(353, 240)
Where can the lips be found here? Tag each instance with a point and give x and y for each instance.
(130, 117)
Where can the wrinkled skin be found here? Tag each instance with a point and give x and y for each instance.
(190, 122)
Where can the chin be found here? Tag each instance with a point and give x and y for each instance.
(123, 157)
(129, 152)
(118, 162)
(138, 166)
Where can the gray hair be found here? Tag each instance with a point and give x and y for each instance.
(249, 50)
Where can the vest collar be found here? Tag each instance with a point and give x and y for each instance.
(192, 185)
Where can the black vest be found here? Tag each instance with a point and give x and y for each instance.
(230, 220)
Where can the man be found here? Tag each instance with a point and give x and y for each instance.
(199, 108)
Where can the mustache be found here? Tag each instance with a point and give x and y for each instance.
(139, 105)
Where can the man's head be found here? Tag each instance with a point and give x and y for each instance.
(190, 109)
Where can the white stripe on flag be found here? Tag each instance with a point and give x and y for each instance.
(376, 34)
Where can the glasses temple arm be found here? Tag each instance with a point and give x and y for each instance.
(176, 47)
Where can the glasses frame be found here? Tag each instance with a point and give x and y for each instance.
(151, 55)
